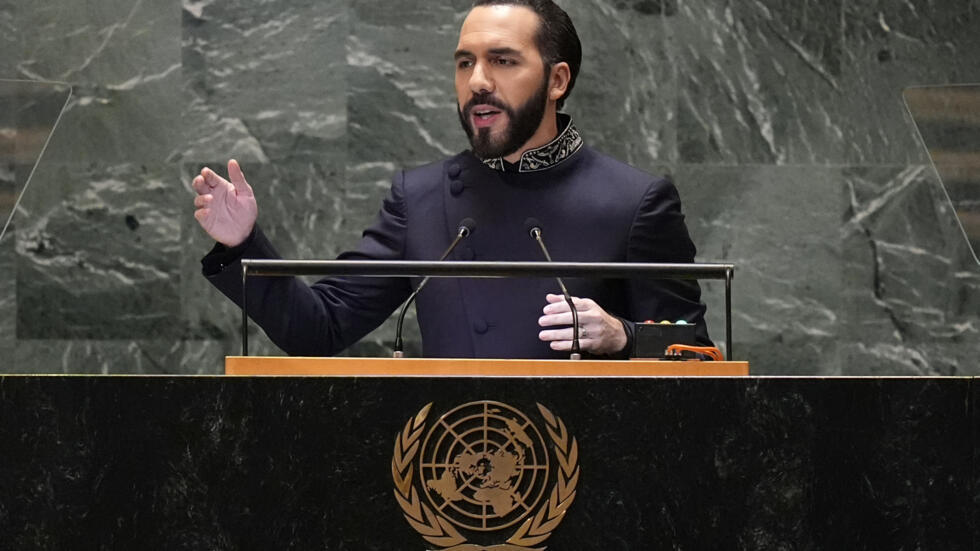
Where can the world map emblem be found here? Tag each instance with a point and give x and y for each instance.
(484, 477)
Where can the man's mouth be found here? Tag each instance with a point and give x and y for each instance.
(484, 116)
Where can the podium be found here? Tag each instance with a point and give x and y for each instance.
(476, 464)
(322, 462)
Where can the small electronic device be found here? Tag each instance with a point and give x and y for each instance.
(652, 339)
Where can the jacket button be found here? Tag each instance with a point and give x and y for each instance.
(466, 253)
(454, 171)
(480, 327)
(456, 187)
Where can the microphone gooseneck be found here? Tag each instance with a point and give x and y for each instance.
(533, 227)
(466, 228)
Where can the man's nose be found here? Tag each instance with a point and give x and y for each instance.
(480, 79)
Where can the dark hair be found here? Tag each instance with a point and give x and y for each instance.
(556, 40)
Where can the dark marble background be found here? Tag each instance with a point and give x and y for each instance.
(782, 124)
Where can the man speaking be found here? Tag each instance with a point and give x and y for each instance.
(516, 63)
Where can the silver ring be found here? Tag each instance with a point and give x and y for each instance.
(581, 332)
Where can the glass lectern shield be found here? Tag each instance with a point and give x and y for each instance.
(29, 113)
(948, 120)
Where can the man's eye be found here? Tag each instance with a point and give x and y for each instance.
(504, 61)
(464, 64)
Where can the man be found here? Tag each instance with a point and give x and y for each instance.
(516, 63)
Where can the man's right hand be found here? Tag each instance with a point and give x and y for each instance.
(226, 210)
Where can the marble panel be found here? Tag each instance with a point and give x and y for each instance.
(98, 252)
(196, 355)
(102, 357)
(8, 274)
(96, 41)
(893, 45)
(779, 226)
(119, 126)
(8, 193)
(263, 81)
(9, 37)
(123, 59)
(624, 101)
(912, 290)
(401, 97)
(758, 82)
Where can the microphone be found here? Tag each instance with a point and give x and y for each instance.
(466, 227)
(533, 227)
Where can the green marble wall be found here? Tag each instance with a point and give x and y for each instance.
(782, 124)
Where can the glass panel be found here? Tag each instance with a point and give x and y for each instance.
(29, 113)
(948, 120)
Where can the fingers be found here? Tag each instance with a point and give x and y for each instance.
(565, 318)
(202, 201)
(211, 178)
(555, 319)
(201, 215)
(557, 304)
(208, 180)
(198, 184)
(238, 178)
(558, 312)
(584, 345)
(561, 339)
(563, 334)
(598, 332)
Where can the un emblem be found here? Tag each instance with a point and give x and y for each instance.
(484, 468)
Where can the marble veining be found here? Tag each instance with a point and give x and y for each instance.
(782, 125)
(100, 230)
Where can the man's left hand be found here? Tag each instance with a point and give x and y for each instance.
(599, 332)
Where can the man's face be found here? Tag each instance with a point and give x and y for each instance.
(501, 82)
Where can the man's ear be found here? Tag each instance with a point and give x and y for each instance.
(561, 76)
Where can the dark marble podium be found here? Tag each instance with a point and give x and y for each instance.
(215, 463)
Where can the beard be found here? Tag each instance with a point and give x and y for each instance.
(522, 123)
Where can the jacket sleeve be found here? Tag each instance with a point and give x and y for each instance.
(658, 234)
(324, 318)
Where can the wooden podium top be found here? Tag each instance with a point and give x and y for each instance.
(422, 367)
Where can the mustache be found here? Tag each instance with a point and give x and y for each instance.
(485, 99)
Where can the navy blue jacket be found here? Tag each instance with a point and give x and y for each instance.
(592, 208)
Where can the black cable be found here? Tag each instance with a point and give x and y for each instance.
(466, 227)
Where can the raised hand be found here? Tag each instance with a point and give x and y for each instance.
(226, 210)
(599, 332)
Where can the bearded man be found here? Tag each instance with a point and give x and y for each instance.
(516, 63)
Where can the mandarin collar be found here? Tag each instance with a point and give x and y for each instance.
(566, 144)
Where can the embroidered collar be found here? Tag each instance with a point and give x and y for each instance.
(568, 142)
